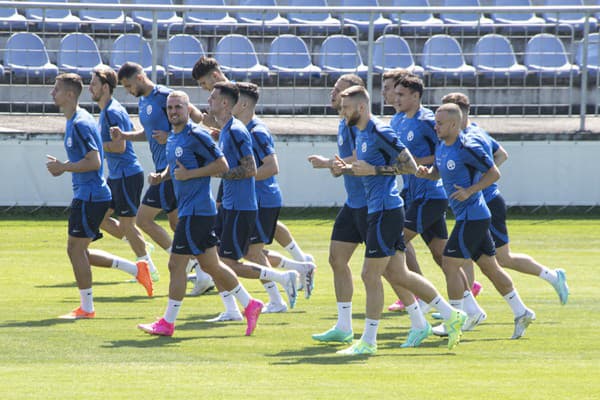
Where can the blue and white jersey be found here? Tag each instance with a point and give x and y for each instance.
(418, 135)
(119, 164)
(268, 193)
(81, 137)
(395, 123)
(346, 140)
(194, 148)
(153, 116)
(491, 146)
(462, 164)
(235, 143)
(378, 145)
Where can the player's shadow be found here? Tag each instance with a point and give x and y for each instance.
(73, 285)
(148, 342)
(38, 323)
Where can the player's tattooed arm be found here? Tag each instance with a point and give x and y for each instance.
(404, 164)
(246, 169)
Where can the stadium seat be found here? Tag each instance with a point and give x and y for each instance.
(78, 53)
(237, 57)
(313, 22)
(392, 51)
(26, 57)
(566, 22)
(545, 56)
(443, 58)
(53, 19)
(181, 53)
(265, 22)
(466, 23)
(362, 20)
(133, 47)
(164, 19)
(494, 57)
(212, 20)
(289, 57)
(411, 24)
(339, 55)
(106, 20)
(515, 23)
(10, 19)
(593, 56)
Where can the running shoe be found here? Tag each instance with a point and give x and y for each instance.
(159, 328)
(416, 336)
(522, 322)
(78, 313)
(226, 317)
(290, 287)
(252, 312)
(561, 287)
(398, 305)
(274, 308)
(454, 327)
(334, 335)
(476, 288)
(143, 277)
(359, 348)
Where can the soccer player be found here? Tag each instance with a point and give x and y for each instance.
(268, 197)
(506, 258)
(125, 173)
(193, 158)
(239, 200)
(91, 195)
(466, 169)
(155, 128)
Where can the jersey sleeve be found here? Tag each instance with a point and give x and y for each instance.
(389, 142)
(243, 142)
(85, 136)
(262, 143)
(476, 156)
(204, 147)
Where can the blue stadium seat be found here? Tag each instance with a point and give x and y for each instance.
(26, 57)
(545, 57)
(133, 47)
(53, 19)
(339, 55)
(494, 57)
(522, 22)
(443, 58)
(362, 21)
(466, 23)
(267, 22)
(237, 57)
(181, 53)
(568, 21)
(593, 56)
(1, 71)
(212, 20)
(164, 19)
(424, 24)
(392, 51)
(289, 57)
(10, 19)
(106, 20)
(313, 22)
(78, 53)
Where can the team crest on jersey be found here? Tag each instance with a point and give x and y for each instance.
(340, 140)
(450, 165)
(149, 109)
(69, 142)
(178, 151)
(363, 148)
(410, 136)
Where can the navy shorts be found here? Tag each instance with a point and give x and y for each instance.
(161, 196)
(470, 239)
(427, 217)
(350, 225)
(498, 227)
(235, 234)
(384, 233)
(126, 194)
(266, 222)
(85, 218)
(194, 234)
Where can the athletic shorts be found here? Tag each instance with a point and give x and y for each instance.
(428, 218)
(85, 218)
(235, 234)
(350, 225)
(194, 234)
(161, 196)
(470, 239)
(498, 227)
(384, 233)
(126, 194)
(266, 222)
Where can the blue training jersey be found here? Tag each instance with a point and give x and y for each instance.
(194, 148)
(491, 146)
(378, 144)
(81, 137)
(395, 123)
(153, 116)
(235, 143)
(268, 193)
(119, 164)
(462, 164)
(346, 140)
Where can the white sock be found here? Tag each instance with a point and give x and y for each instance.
(273, 292)
(442, 306)
(515, 303)
(201, 275)
(549, 275)
(269, 274)
(173, 307)
(417, 320)
(370, 333)
(242, 295)
(231, 306)
(470, 305)
(425, 308)
(295, 251)
(87, 299)
(344, 322)
(125, 266)
(149, 261)
(300, 266)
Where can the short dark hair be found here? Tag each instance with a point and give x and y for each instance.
(352, 79)
(72, 82)
(230, 90)
(358, 92)
(249, 89)
(460, 99)
(106, 75)
(411, 82)
(129, 70)
(395, 73)
(204, 66)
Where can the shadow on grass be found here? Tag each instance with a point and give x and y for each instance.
(39, 323)
(147, 342)
(73, 284)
